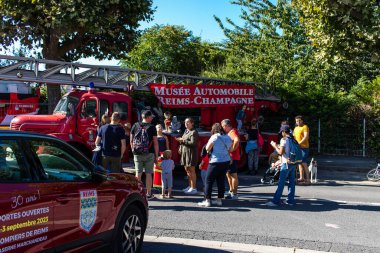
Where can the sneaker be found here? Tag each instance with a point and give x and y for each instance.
(231, 196)
(270, 203)
(150, 197)
(204, 203)
(186, 189)
(227, 193)
(234, 197)
(97, 148)
(217, 202)
(287, 203)
(191, 191)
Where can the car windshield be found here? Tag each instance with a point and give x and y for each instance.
(67, 105)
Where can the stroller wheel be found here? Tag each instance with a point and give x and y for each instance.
(262, 181)
(271, 182)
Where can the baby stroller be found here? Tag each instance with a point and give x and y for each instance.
(271, 176)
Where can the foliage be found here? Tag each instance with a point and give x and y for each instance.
(172, 49)
(70, 30)
(343, 29)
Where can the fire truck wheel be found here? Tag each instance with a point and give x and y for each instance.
(130, 232)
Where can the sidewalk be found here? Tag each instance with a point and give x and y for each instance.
(325, 162)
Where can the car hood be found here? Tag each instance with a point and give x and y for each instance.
(38, 123)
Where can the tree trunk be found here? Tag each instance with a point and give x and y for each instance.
(51, 52)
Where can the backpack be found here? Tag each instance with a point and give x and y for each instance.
(295, 152)
(140, 142)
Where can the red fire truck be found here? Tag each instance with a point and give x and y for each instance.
(78, 113)
(17, 98)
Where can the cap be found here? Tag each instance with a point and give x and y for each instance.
(285, 128)
(146, 114)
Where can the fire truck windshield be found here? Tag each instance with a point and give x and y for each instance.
(67, 105)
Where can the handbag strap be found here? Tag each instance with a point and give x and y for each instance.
(228, 151)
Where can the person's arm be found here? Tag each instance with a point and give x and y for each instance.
(193, 140)
(305, 137)
(98, 140)
(155, 143)
(235, 143)
(210, 144)
(280, 150)
(123, 147)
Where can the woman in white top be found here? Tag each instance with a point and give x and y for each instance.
(218, 147)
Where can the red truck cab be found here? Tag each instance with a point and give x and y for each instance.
(77, 116)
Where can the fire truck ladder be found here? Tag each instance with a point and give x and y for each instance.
(107, 77)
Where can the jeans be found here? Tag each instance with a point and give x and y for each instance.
(253, 159)
(286, 171)
(203, 176)
(216, 171)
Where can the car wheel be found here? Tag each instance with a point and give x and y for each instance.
(130, 232)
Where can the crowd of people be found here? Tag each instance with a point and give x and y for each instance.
(219, 157)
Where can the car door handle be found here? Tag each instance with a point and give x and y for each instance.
(63, 199)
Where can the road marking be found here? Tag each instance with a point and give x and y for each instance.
(331, 225)
(225, 246)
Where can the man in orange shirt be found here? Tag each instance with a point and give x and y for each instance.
(232, 176)
(301, 134)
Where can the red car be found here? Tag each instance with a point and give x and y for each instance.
(53, 199)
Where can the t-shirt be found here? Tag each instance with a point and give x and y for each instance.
(235, 154)
(299, 133)
(167, 166)
(205, 161)
(111, 139)
(252, 134)
(285, 142)
(222, 144)
(151, 132)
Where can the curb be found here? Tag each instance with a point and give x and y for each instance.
(230, 246)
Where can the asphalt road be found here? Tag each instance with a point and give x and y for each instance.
(338, 214)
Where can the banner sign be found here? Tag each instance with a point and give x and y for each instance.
(203, 95)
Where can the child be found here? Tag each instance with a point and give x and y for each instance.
(203, 165)
(167, 166)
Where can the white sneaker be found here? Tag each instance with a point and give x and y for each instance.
(204, 203)
(227, 193)
(186, 189)
(217, 202)
(97, 148)
(270, 203)
(191, 191)
(234, 196)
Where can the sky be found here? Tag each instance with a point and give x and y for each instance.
(194, 15)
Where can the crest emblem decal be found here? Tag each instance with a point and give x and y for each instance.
(88, 209)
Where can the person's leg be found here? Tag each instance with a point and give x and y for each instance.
(305, 156)
(234, 177)
(203, 176)
(250, 160)
(139, 165)
(300, 169)
(210, 180)
(105, 163)
(292, 185)
(235, 182)
(149, 163)
(229, 180)
(169, 183)
(115, 164)
(220, 177)
(163, 183)
(256, 160)
(193, 177)
(187, 169)
(281, 183)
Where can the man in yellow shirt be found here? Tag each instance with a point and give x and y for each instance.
(301, 134)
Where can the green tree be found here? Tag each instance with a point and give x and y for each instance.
(172, 49)
(72, 29)
(343, 29)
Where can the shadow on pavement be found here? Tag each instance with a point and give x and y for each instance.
(158, 247)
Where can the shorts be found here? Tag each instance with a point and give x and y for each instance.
(144, 163)
(167, 180)
(305, 154)
(112, 164)
(233, 167)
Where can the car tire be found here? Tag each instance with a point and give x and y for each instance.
(129, 234)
